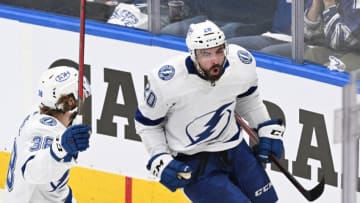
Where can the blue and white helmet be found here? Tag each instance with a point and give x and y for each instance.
(60, 81)
(204, 35)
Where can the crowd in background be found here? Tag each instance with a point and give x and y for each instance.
(331, 27)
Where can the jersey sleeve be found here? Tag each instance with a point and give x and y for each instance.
(251, 107)
(249, 104)
(151, 116)
(312, 29)
(39, 166)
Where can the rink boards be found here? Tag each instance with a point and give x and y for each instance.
(116, 61)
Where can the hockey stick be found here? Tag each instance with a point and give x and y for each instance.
(81, 57)
(310, 195)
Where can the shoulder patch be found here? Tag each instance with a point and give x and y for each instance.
(166, 72)
(48, 121)
(244, 56)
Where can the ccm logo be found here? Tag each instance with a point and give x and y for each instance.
(277, 132)
(263, 189)
(158, 168)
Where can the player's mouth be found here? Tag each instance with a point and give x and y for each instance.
(215, 71)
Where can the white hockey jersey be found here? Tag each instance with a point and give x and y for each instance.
(34, 176)
(183, 113)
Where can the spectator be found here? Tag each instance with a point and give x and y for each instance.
(332, 28)
(331, 34)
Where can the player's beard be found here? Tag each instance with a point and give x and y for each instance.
(214, 73)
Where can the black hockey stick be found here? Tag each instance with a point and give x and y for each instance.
(310, 195)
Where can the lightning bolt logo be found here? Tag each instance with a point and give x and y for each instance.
(209, 126)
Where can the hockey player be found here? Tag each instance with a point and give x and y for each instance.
(187, 122)
(48, 142)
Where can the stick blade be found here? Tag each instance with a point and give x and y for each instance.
(316, 192)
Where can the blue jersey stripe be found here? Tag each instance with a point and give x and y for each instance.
(146, 121)
(249, 92)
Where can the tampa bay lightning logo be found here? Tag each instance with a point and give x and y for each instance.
(209, 126)
(48, 121)
(244, 56)
(166, 72)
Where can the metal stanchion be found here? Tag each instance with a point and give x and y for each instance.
(350, 139)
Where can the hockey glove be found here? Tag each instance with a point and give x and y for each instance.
(75, 139)
(270, 140)
(169, 171)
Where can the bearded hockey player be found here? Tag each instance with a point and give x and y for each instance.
(187, 122)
